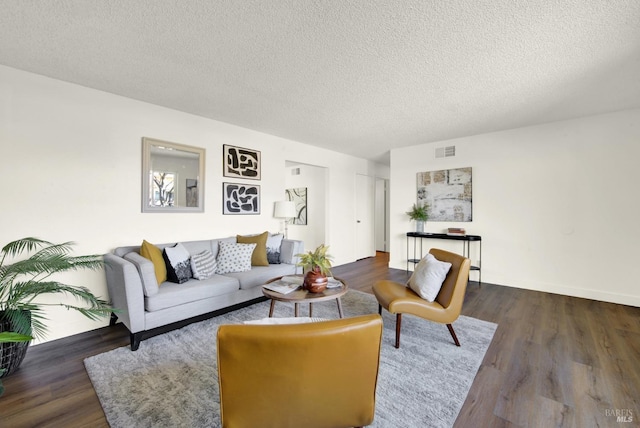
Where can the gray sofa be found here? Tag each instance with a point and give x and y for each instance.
(143, 305)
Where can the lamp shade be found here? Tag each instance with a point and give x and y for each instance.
(284, 209)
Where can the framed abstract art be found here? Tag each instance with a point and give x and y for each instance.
(239, 199)
(299, 198)
(241, 163)
(447, 193)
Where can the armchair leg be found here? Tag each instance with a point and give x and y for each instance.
(453, 334)
(379, 309)
(398, 326)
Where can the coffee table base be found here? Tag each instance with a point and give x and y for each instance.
(299, 296)
(296, 308)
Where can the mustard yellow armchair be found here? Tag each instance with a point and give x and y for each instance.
(320, 374)
(399, 299)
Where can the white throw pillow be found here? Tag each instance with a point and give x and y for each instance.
(274, 242)
(428, 276)
(178, 265)
(203, 265)
(233, 257)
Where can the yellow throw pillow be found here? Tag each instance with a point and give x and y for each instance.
(153, 253)
(259, 256)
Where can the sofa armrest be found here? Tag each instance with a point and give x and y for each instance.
(147, 272)
(288, 250)
(125, 292)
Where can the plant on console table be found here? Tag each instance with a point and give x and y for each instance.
(23, 281)
(419, 213)
(316, 265)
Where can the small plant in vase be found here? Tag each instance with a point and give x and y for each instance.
(420, 214)
(316, 265)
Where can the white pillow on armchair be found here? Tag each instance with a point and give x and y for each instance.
(428, 276)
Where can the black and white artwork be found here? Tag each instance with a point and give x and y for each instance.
(447, 194)
(241, 163)
(240, 198)
(299, 197)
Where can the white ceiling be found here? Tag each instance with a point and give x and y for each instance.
(358, 77)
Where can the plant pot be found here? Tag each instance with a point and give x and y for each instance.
(419, 226)
(11, 353)
(315, 281)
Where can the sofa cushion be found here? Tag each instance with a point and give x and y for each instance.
(234, 257)
(195, 247)
(178, 263)
(203, 265)
(274, 242)
(171, 294)
(259, 275)
(153, 253)
(289, 249)
(259, 256)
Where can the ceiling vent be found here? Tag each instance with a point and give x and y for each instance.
(445, 152)
(295, 171)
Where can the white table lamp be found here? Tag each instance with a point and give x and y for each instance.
(287, 211)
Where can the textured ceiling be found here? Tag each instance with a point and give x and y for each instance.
(359, 77)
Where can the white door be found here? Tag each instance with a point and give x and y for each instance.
(365, 225)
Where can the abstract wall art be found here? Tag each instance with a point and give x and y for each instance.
(299, 197)
(240, 199)
(447, 193)
(241, 163)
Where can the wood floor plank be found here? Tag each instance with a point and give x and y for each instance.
(555, 371)
(555, 361)
(480, 402)
(591, 395)
(616, 358)
(551, 413)
(520, 386)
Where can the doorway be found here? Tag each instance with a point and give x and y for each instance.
(314, 179)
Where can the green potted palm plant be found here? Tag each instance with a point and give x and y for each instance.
(419, 213)
(27, 267)
(316, 265)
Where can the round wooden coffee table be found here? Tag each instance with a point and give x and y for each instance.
(303, 296)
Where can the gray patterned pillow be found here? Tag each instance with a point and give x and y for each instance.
(203, 265)
(178, 265)
(233, 257)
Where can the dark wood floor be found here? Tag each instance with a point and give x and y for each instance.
(554, 361)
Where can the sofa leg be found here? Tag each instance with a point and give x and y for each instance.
(453, 334)
(113, 319)
(136, 338)
(398, 326)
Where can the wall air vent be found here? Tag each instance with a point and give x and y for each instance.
(295, 171)
(445, 152)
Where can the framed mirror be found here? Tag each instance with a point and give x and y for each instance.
(172, 177)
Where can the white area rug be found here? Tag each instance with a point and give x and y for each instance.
(171, 380)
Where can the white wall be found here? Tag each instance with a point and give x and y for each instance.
(555, 204)
(72, 171)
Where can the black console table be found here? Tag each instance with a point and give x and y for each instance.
(466, 246)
